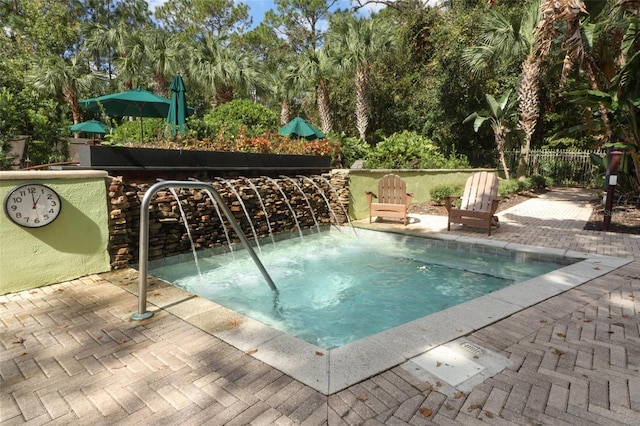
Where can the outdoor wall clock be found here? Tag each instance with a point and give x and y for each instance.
(32, 205)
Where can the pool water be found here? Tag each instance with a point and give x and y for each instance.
(335, 288)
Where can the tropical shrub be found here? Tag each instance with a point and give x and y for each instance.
(537, 181)
(9, 119)
(153, 132)
(352, 149)
(513, 186)
(440, 192)
(405, 150)
(238, 116)
(46, 145)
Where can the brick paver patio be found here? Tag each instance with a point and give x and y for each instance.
(71, 354)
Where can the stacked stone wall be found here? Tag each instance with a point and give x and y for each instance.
(314, 200)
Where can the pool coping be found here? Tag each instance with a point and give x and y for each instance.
(329, 371)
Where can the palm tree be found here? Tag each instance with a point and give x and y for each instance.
(71, 78)
(621, 101)
(222, 69)
(355, 45)
(120, 45)
(313, 69)
(282, 87)
(499, 115)
(503, 39)
(543, 19)
(162, 53)
(579, 49)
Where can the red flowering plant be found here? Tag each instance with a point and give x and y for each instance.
(267, 143)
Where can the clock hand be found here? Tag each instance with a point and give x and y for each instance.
(34, 200)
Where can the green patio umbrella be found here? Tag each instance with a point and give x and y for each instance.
(91, 126)
(298, 127)
(178, 110)
(132, 103)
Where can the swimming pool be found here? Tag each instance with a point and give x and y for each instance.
(329, 371)
(336, 288)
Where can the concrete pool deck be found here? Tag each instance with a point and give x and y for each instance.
(71, 354)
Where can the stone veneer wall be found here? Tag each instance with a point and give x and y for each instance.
(167, 234)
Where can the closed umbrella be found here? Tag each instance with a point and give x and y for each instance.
(298, 127)
(132, 103)
(178, 110)
(91, 126)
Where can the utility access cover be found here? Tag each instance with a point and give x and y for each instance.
(448, 364)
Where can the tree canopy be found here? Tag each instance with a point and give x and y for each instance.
(362, 73)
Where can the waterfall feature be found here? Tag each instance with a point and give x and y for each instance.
(313, 215)
(244, 209)
(144, 240)
(186, 226)
(276, 206)
(286, 200)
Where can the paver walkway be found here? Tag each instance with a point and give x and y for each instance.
(70, 354)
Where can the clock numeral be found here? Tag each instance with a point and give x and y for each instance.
(32, 205)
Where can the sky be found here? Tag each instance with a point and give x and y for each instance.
(257, 8)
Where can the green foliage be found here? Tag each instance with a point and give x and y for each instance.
(537, 181)
(353, 149)
(9, 117)
(440, 192)
(625, 182)
(456, 161)
(426, 87)
(236, 117)
(46, 145)
(506, 187)
(26, 113)
(406, 150)
(513, 186)
(154, 131)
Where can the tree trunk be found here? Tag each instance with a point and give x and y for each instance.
(224, 94)
(528, 89)
(71, 98)
(362, 100)
(323, 107)
(161, 85)
(501, 138)
(528, 86)
(285, 112)
(604, 113)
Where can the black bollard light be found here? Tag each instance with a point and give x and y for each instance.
(610, 186)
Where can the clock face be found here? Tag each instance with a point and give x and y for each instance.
(32, 205)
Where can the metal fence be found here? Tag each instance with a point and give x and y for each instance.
(564, 167)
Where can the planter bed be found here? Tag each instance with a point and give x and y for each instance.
(125, 158)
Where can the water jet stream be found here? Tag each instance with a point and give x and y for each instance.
(144, 240)
(315, 221)
(286, 200)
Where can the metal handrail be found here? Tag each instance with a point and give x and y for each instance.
(144, 239)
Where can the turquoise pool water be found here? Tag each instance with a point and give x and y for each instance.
(336, 288)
